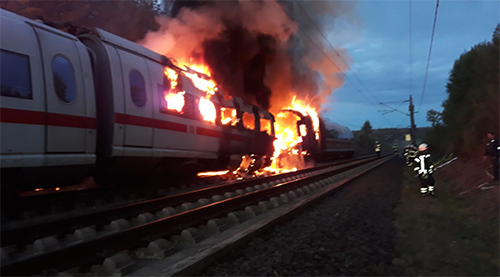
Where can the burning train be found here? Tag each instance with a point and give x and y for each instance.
(98, 102)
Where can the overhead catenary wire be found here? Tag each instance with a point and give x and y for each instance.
(336, 52)
(377, 100)
(333, 63)
(429, 57)
(410, 48)
(342, 59)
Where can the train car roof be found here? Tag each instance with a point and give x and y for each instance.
(36, 23)
(343, 131)
(129, 45)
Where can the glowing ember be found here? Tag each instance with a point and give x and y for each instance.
(175, 101)
(207, 110)
(212, 173)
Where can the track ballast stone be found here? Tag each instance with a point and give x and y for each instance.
(348, 233)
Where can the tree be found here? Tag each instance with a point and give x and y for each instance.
(367, 128)
(434, 117)
(472, 106)
(364, 143)
(125, 18)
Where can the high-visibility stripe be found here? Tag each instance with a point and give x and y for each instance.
(431, 188)
(423, 190)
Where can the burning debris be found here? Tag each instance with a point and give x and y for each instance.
(252, 50)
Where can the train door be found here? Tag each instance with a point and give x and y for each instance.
(22, 101)
(138, 101)
(65, 95)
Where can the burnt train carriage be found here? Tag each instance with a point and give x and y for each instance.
(97, 100)
(332, 141)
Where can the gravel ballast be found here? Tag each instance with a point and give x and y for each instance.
(348, 233)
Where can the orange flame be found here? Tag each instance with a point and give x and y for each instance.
(212, 173)
(174, 98)
(288, 154)
(204, 84)
(302, 107)
(207, 110)
(228, 116)
(175, 101)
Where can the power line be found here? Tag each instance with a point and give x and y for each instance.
(410, 50)
(338, 55)
(429, 58)
(334, 64)
(328, 57)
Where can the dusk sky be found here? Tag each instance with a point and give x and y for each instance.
(378, 46)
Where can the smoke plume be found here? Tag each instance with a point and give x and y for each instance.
(255, 50)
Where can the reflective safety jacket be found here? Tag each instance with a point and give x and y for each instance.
(377, 147)
(424, 165)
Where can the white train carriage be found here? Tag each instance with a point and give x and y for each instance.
(98, 99)
(48, 116)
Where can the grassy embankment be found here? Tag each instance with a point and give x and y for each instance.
(445, 236)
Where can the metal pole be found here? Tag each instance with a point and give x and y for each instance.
(413, 129)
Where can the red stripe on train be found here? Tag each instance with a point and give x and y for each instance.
(149, 122)
(43, 118)
(208, 132)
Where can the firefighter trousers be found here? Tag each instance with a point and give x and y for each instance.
(426, 185)
(495, 167)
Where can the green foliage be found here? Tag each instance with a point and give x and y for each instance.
(367, 128)
(126, 18)
(364, 142)
(472, 107)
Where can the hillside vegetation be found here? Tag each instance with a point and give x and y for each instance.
(472, 107)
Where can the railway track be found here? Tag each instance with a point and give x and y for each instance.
(96, 238)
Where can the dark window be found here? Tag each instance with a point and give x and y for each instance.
(137, 88)
(64, 79)
(15, 75)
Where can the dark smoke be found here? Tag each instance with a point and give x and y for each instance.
(253, 49)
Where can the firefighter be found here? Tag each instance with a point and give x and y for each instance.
(406, 155)
(425, 169)
(412, 154)
(395, 148)
(377, 148)
(492, 152)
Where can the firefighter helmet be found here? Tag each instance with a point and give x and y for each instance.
(423, 147)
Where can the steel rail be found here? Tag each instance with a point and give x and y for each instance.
(63, 226)
(79, 254)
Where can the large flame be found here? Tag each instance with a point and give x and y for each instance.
(305, 109)
(203, 83)
(288, 153)
(200, 76)
(207, 110)
(174, 97)
(175, 101)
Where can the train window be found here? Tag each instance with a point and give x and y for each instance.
(191, 107)
(228, 116)
(170, 101)
(137, 88)
(249, 121)
(265, 125)
(303, 130)
(15, 76)
(64, 79)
